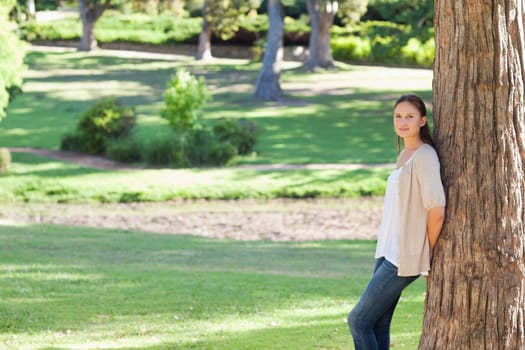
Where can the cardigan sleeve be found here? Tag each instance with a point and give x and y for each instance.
(428, 175)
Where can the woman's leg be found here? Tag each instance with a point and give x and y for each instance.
(369, 321)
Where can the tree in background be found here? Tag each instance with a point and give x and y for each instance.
(476, 293)
(322, 14)
(268, 86)
(222, 18)
(11, 57)
(11, 68)
(90, 12)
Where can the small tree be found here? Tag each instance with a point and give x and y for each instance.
(184, 97)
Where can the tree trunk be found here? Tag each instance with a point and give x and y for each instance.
(268, 86)
(476, 290)
(31, 8)
(90, 12)
(204, 48)
(321, 19)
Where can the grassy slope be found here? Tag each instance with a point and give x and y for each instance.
(85, 288)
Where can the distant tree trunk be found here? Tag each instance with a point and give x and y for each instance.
(204, 48)
(90, 12)
(268, 86)
(31, 8)
(322, 14)
(476, 292)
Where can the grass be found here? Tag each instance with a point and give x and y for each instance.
(346, 121)
(38, 179)
(87, 288)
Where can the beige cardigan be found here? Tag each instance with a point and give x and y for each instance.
(420, 189)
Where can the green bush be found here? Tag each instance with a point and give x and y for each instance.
(163, 151)
(242, 134)
(73, 141)
(352, 49)
(107, 119)
(5, 160)
(419, 53)
(203, 148)
(124, 150)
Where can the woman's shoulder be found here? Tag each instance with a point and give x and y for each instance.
(426, 153)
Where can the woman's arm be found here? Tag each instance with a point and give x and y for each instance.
(435, 219)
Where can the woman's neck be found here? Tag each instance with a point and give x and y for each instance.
(411, 144)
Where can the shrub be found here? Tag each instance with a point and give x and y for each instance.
(242, 134)
(415, 52)
(204, 148)
(221, 153)
(125, 150)
(351, 48)
(5, 160)
(107, 119)
(163, 151)
(73, 141)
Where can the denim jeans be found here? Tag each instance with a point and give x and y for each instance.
(369, 321)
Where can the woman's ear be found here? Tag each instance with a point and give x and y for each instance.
(423, 121)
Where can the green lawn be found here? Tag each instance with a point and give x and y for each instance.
(82, 288)
(38, 179)
(341, 116)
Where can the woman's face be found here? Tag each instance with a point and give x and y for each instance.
(408, 120)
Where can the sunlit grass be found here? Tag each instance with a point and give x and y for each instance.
(81, 288)
(330, 117)
(38, 179)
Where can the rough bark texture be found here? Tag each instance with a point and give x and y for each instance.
(476, 289)
(90, 12)
(268, 86)
(322, 16)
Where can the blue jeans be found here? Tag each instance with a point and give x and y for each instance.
(369, 321)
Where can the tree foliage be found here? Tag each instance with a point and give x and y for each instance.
(11, 56)
(224, 15)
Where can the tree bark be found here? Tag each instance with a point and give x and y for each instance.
(322, 16)
(89, 13)
(476, 292)
(204, 48)
(268, 86)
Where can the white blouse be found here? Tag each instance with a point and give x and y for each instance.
(389, 230)
(388, 237)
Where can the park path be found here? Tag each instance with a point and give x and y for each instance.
(97, 162)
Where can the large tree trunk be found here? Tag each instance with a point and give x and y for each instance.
(322, 16)
(204, 48)
(476, 290)
(90, 12)
(268, 86)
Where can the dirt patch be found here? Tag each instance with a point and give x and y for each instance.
(276, 220)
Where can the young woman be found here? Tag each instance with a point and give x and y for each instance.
(413, 215)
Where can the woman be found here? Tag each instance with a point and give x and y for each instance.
(413, 215)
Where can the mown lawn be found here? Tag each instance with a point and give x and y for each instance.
(38, 179)
(341, 116)
(81, 288)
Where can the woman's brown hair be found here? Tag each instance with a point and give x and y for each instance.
(424, 131)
